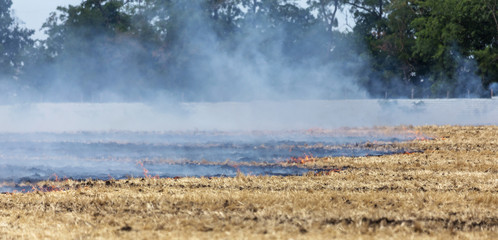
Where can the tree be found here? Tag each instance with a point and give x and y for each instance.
(84, 23)
(13, 42)
(370, 15)
(392, 48)
(93, 50)
(327, 11)
(448, 41)
(383, 27)
(185, 47)
(488, 57)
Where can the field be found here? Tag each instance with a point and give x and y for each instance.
(449, 189)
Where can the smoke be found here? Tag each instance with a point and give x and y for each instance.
(262, 73)
(468, 84)
(263, 66)
(263, 58)
(244, 116)
(258, 57)
(493, 87)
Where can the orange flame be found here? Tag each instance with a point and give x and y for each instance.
(302, 160)
(416, 134)
(146, 171)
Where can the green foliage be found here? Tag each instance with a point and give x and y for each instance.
(446, 32)
(95, 40)
(84, 23)
(428, 45)
(13, 42)
(488, 64)
(384, 26)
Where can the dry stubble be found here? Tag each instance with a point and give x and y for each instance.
(450, 190)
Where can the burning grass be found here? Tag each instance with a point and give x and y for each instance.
(447, 190)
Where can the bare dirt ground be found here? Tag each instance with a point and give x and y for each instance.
(449, 190)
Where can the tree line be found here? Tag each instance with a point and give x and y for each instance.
(134, 48)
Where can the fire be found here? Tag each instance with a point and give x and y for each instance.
(54, 187)
(302, 160)
(298, 153)
(416, 134)
(146, 171)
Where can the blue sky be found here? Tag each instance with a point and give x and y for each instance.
(33, 13)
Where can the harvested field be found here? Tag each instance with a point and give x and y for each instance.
(447, 190)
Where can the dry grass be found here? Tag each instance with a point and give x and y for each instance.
(448, 191)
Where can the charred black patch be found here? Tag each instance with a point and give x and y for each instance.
(126, 228)
(431, 223)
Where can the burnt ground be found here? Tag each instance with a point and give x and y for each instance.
(444, 187)
(33, 157)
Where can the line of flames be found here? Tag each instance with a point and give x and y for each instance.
(303, 159)
(54, 187)
(307, 158)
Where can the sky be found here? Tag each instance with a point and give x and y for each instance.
(33, 13)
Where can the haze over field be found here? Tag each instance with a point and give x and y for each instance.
(113, 50)
(238, 116)
(246, 65)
